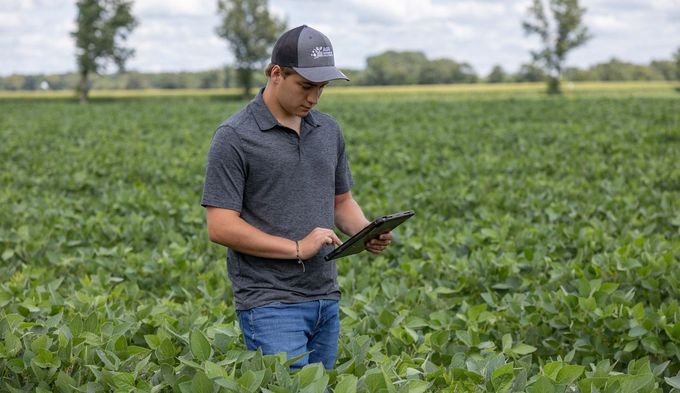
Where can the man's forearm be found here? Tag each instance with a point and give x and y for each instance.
(233, 232)
(349, 217)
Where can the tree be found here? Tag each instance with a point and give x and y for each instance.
(251, 30)
(559, 35)
(395, 68)
(497, 75)
(446, 71)
(665, 68)
(102, 26)
(529, 73)
(676, 58)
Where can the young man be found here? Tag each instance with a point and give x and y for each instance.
(277, 182)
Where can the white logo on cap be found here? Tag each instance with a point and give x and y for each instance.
(322, 51)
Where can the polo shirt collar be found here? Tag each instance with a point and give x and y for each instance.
(264, 118)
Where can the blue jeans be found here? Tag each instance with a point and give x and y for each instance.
(294, 329)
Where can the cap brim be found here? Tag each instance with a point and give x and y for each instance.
(320, 74)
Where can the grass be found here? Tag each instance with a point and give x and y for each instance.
(543, 255)
(570, 88)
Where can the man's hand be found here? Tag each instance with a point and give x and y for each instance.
(317, 238)
(380, 243)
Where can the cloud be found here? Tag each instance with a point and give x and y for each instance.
(174, 8)
(180, 35)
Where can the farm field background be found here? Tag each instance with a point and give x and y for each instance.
(543, 257)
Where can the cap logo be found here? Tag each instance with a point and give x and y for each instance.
(322, 51)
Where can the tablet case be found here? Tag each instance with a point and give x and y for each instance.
(356, 243)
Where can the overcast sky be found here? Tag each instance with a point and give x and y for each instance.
(179, 35)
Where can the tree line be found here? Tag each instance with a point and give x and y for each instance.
(388, 68)
(103, 26)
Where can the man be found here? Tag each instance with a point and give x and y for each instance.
(277, 182)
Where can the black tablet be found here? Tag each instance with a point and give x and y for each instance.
(357, 243)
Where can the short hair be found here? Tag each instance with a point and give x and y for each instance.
(285, 70)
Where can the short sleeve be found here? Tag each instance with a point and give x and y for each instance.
(343, 174)
(225, 174)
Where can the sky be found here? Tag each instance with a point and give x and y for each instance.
(179, 35)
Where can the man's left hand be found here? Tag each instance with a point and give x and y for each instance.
(380, 243)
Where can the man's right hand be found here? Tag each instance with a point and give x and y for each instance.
(317, 238)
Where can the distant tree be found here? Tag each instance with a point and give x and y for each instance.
(102, 26)
(497, 75)
(209, 80)
(251, 31)
(31, 82)
(411, 67)
(529, 73)
(560, 32)
(395, 68)
(446, 71)
(617, 70)
(134, 81)
(676, 58)
(665, 68)
(575, 74)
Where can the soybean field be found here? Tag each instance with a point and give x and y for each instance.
(544, 255)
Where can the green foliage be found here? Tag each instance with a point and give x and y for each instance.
(101, 27)
(543, 256)
(251, 31)
(497, 75)
(617, 70)
(408, 68)
(560, 31)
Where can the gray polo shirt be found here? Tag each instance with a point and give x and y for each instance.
(285, 186)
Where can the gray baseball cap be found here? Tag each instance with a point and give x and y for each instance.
(308, 52)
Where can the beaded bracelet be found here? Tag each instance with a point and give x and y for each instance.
(297, 254)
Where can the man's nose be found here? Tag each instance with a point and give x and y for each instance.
(313, 96)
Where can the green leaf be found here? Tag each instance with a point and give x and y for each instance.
(502, 378)
(633, 383)
(251, 380)
(674, 381)
(318, 385)
(200, 383)
(228, 383)
(415, 386)
(166, 351)
(7, 254)
(502, 375)
(507, 342)
(109, 359)
(542, 384)
(551, 369)
(637, 331)
(152, 341)
(124, 381)
(212, 370)
(200, 347)
(346, 384)
(12, 345)
(374, 379)
(65, 382)
(631, 346)
(310, 373)
(141, 365)
(569, 374)
(523, 349)
(40, 343)
(294, 359)
(45, 359)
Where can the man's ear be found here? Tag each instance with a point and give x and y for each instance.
(276, 74)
